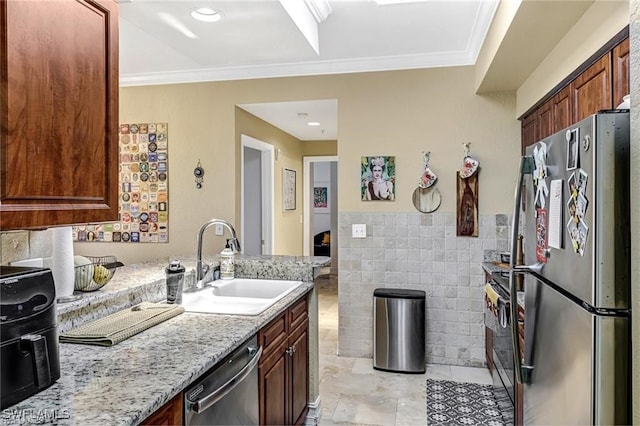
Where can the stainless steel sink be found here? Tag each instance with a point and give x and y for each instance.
(239, 296)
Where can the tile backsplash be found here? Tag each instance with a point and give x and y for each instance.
(419, 252)
(20, 245)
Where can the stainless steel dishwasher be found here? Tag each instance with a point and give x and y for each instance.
(228, 394)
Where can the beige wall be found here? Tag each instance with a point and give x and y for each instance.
(598, 25)
(405, 113)
(288, 224)
(319, 148)
(388, 113)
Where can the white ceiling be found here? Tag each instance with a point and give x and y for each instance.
(258, 39)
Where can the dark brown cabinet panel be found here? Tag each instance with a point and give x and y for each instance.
(284, 369)
(562, 113)
(598, 84)
(529, 131)
(169, 414)
(544, 120)
(59, 109)
(272, 388)
(620, 58)
(299, 340)
(591, 90)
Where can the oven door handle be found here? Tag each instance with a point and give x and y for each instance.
(208, 400)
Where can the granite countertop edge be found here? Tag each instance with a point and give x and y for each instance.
(150, 368)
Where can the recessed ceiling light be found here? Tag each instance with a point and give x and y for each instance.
(206, 14)
(313, 123)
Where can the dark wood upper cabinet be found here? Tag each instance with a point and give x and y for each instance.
(544, 120)
(59, 112)
(562, 113)
(591, 90)
(598, 84)
(529, 131)
(620, 56)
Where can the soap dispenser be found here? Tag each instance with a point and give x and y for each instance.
(227, 263)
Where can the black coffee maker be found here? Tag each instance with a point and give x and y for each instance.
(29, 359)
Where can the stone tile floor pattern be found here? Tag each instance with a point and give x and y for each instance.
(352, 392)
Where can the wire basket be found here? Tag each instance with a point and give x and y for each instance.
(95, 275)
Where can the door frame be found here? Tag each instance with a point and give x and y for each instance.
(306, 199)
(268, 190)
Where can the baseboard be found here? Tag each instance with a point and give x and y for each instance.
(314, 413)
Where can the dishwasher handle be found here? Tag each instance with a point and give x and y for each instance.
(208, 400)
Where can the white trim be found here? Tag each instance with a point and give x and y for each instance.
(268, 190)
(399, 62)
(306, 199)
(314, 414)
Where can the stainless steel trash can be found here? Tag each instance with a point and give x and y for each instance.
(399, 330)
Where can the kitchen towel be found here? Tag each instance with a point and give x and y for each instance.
(115, 328)
(496, 312)
(62, 262)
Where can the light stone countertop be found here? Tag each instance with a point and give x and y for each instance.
(125, 383)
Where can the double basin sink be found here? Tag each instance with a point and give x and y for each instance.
(239, 296)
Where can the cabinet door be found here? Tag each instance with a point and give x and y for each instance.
(620, 71)
(561, 109)
(299, 364)
(59, 109)
(529, 131)
(544, 120)
(591, 90)
(272, 387)
(169, 414)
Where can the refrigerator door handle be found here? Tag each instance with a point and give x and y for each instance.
(523, 372)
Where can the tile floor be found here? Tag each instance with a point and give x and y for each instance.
(352, 391)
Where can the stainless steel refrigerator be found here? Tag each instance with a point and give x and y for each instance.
(572, 206)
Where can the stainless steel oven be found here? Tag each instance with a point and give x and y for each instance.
(503, 374)
(228, 394)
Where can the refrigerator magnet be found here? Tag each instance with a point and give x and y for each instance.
(583, 232)
(581, 205)
(571, 207)
(572, 228)
(541, 235)
(573, 186)
(581, 182)
(572, 148)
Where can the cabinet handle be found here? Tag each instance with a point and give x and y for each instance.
(291, 350)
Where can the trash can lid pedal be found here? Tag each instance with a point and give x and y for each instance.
(398, 293)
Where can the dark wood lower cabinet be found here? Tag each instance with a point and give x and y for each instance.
(272, 387)
(488, 347)
(283, 372)
(169, 414)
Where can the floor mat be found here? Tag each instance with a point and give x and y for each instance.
(455, 403)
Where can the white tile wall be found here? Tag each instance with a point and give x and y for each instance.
(420, 252)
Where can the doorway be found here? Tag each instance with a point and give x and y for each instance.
(320, 195)
(256, 199)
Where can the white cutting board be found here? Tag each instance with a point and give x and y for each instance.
(37, 262)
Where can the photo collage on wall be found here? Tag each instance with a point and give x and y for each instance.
(143, 196)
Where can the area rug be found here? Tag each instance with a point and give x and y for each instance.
(455, 403)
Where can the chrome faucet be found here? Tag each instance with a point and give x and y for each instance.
(202, 268)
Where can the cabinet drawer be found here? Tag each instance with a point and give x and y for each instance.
(297, 313)
(272, 334)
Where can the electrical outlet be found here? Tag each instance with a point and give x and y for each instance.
(358, 230)
(219, 229)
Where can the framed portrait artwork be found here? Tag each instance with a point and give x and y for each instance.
(288, 189)
(378, 178)
(321, 198)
